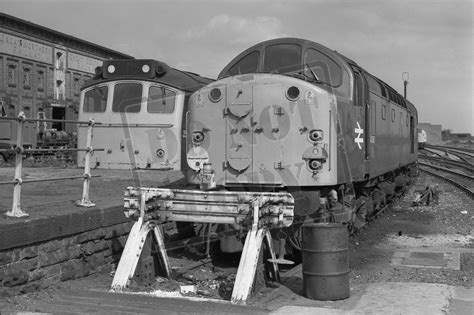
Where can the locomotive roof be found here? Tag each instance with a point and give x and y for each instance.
(346, 63)
(343, 60)
(181, 80)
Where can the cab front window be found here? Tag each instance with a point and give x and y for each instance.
(161, 100)
(282, 58)
(127, 98)
(320, 67)
(95, 100)
(248, 64)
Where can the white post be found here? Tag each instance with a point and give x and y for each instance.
(86, 202)
(16, 211)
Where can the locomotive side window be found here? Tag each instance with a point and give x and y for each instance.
(374, 86)
(384, 94)
(325, 69)
(282, 58)
(402, 101)
(161, 100)
(95, 100)
(384, 112)
(391, 95)
(358, 90)
(127, 98)
(248, 64)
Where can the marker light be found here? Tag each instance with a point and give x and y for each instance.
(198, 137)
(215, 95)
(293, 93)
(111, 68)
(145, 68)
(314, 165)
(160, 153)
(315, 135)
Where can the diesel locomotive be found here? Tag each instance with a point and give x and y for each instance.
(141, 106)
(292, 115)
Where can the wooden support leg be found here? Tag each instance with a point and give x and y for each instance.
(247, 265)
(269, 242)
(131, 254)
(162, 251)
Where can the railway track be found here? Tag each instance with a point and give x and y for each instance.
(464, 154)
(448, 162)
(461, 180)
(466, 150)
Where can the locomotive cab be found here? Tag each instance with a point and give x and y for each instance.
(140, 107)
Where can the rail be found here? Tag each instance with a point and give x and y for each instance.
(460, 180)
(16, 211)
(449, 162)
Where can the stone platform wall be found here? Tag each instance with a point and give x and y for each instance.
(38, 266)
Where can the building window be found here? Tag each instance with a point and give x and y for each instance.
(27, 78)
(12, 75)
(76, 86)
(40, 80)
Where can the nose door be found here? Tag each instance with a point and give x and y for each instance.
(256, 123)
(271, 124)
(239, 134)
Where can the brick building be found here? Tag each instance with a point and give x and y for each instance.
(43, 68)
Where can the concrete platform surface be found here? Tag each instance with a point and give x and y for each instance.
(398, 298)
(51, 205)
(376, 298)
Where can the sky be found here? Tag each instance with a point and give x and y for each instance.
(432, 40)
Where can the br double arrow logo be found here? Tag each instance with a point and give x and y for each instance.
(358, 139)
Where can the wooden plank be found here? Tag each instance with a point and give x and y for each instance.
(247, 266)
(130, 255)
(162, 250)
(269, 242)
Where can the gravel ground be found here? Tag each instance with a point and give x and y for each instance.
(446, 225)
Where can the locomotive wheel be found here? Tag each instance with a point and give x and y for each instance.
(363, 207)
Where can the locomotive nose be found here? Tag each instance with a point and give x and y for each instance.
(262, 128)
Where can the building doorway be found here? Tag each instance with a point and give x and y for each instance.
(58, 113)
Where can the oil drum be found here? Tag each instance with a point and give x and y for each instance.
(325, 261)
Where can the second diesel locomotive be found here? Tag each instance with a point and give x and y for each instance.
(141, 107)
(292, 115)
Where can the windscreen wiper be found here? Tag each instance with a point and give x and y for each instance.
(312, 72)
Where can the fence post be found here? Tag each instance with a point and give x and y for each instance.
(16, 211)
(86, 202)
